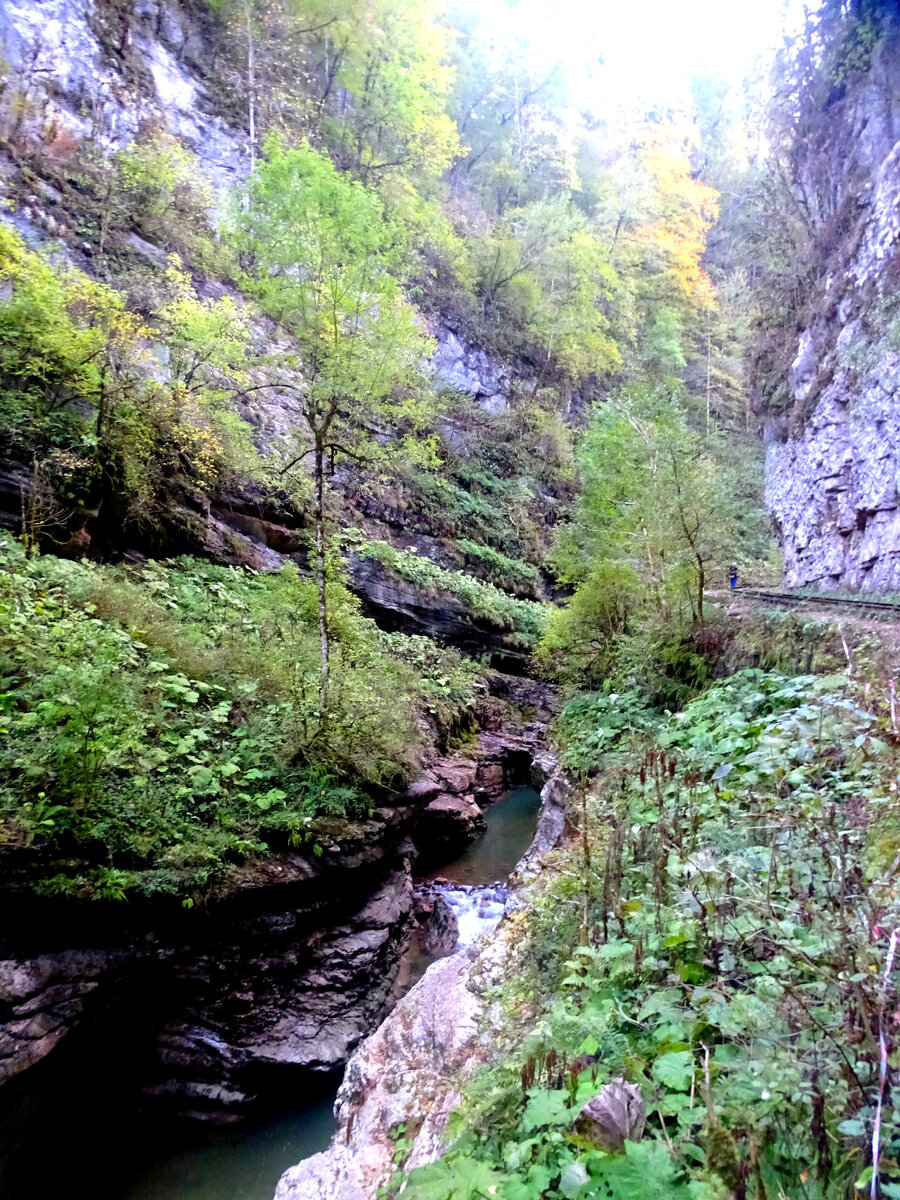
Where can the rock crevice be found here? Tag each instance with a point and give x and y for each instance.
(410, 1070)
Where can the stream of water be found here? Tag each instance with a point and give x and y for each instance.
(474, 885)
(510, 827)
(106, 1148)
(238, 1162)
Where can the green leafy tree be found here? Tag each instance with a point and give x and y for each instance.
(67, 343)
(661, 505)
(321, 256)
(508, 103)
(368, 79)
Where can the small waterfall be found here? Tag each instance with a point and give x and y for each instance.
(477, 908)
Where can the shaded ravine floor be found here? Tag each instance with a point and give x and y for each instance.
(244, 1162)
(236, 1162)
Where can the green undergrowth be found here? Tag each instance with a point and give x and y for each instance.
(718, 931)
(510, 574)
(505, 478)
(442, 508)
(162, 724)
(668, 663)
(525, 618)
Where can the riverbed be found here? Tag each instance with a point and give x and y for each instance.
(95, 1140)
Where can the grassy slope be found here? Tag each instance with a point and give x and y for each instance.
(161, 724)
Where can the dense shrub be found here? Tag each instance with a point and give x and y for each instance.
(165, 722)
(510, 574)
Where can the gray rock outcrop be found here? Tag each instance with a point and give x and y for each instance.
(77, 62)
(293, 967)
(441, 930)
(397, 604)
(459, 367)
(455, 789)
(833, 469)
(298, 983)
(402, 1076)
(410, 1071)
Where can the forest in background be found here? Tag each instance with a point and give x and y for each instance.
(716, 929)
(178, 343)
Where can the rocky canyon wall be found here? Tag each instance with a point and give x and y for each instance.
(80, 80)
(833, 438)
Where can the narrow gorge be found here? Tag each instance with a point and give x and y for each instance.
(449, 591)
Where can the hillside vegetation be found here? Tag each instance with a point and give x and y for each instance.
(174, 352)
(219, 396)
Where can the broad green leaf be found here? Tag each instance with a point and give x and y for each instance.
(675, 1069)
(545, 1108)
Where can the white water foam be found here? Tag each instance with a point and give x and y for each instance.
(477, 909)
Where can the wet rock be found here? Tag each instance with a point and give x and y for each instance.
(41, 999)
(489, 778)
(551, 820)
(448, 824)
(410, 1070)
(441, 931)
(426, 787)
(315, 995)
(15, 484)
(250, 986)
(401, 1074)
(618, 1114)
(456, 775)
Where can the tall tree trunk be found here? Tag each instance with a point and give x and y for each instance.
(320, 557)
(101, 408)
(586, 869)
(701, 588)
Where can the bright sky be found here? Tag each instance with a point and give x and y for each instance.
(650, 48)
(653, 47)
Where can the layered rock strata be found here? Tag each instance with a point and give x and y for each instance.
(293, 967)
(409, 1072)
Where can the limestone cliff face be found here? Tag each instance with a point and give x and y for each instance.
(833, 474)
(90, 70)
(81, 79)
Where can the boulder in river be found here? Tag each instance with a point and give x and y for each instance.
(448, 824)
(441, 931)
